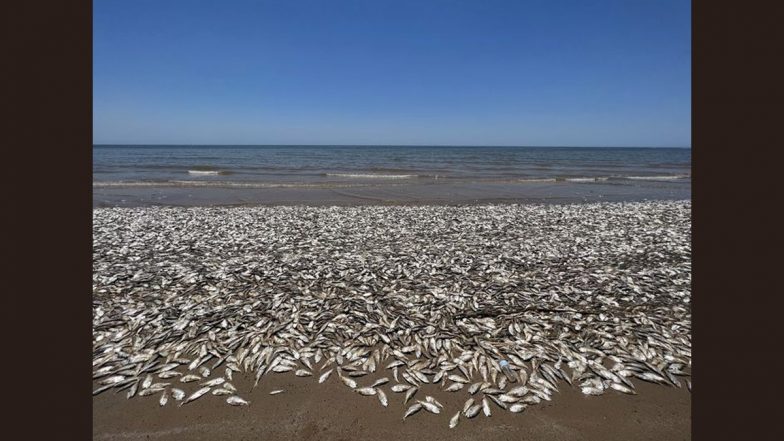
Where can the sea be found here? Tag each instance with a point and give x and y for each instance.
(223, 174)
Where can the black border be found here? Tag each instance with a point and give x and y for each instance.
(736, 88)
(736, 91)
(49, 327)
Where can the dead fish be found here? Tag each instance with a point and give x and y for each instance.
(132, 390)
(518, 391)
(380, 382)
(430, 407)
(348, 382)
(412, 410)
(150, 391)
(204, 371)
(430, 399)
(517, 408)
(468, 404)
(621, 388)
(303, 373)
(214, 382)
(454, 387)
(588, 390)
(457, 378)
(505, 398)
(324, 376)
(196, 395)
(473, 411)
(164, 399)
(221, 391)
(102, 388)
(147, 382)
(114, 379)
(454, 420)
(177, 394)
(410, 393)
(398, 388)
(275, 392)
(366, 391)
(382, 397)
(189, 378)
(236, 401)
(651, 377)
(485, 406)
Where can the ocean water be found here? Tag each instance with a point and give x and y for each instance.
(251, 175)
(308, 166)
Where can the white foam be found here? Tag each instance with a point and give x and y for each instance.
(656, 178)
(204, 172)
(536, 180)
(584, 179)
(370, 176)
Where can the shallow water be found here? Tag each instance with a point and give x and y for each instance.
(195, 175)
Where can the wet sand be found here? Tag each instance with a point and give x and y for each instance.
(331, 411)
(390, 194)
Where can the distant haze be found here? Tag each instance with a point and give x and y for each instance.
(548, 73)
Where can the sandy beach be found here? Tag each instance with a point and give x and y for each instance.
(330, 411)
(584, 302)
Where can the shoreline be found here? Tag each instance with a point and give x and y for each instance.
(397, 194)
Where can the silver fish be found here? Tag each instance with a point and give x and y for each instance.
(382, 397)
(189, 378)
(473, 411)
(412, 410)
(214, 382)
(398, 388)
(366, 391)
(454, 420)
(517, 408)
(177, 394)
(196, 395)
(348, 382)
(324, 376)
(236, 401)
(430, 407)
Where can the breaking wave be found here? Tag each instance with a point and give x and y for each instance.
(370, 176)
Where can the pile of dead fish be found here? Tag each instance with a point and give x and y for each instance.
(503, 303)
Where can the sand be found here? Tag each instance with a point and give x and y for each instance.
(331, 411)
(408, 194)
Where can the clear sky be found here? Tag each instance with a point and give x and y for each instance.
(562, 73)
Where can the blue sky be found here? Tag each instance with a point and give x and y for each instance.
(562, 73)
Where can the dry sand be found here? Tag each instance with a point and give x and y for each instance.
(331, 411)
